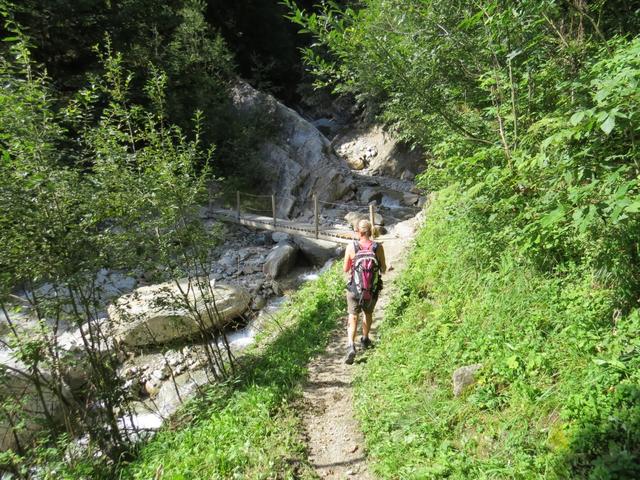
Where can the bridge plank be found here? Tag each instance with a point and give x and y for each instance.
(286, 226)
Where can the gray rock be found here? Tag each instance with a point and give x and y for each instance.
(353, 218)
(264, 239)
(464, 377)
(316, 251)
(173, 393)
(410, 199)
(370, 194)
(111, 285)
(258, 303)
(276, 288)
(152, 387)
(299, 156)
(407, 175)
(327, 126)
(159, 313)
(75, 364)
(280, 260)
(279, 237)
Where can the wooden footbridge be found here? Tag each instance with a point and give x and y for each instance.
(254, 216)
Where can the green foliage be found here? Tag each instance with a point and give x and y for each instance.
(530, 262)
(557, 396)
(247, 428)
(531, 108)
(181, 38)
(126, 195)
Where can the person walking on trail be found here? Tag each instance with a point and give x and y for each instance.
(364, 262)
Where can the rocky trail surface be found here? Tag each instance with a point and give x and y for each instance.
(335, 442)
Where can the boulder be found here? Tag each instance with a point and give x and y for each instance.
(158, 314)
(279, 237)
(170, 395)
(465, 377)
(152, 387)
(353, 218)
(356, 163)
(106, 286)
(407, 175)
(410, 199)
(316, 251)
(258, 303)
(74, 361)
(301, 159)
(15, 383)
(369, 194)
(280, 260)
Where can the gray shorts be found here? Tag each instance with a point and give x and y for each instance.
(354, 307)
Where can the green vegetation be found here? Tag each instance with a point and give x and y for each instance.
(529, 261)
(247, 428)
(557, 396)
(201, 46)
(97, 182)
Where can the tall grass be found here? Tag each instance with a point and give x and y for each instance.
(558, 394)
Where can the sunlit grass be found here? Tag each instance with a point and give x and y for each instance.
(555, 398)
(249, 428)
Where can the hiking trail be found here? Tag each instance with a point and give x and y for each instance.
(334, 440)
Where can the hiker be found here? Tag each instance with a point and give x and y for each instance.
(364, 262)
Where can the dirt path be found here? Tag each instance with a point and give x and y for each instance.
(335, 442)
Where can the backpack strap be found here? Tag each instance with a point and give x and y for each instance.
(356, 246)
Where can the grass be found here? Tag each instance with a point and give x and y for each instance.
(249, 428)
(558, 393)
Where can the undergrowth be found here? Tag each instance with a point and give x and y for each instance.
(248, 428)
(558, 394)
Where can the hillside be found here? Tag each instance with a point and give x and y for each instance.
(497, 145)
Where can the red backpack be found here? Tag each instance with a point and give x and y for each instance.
(365, 272)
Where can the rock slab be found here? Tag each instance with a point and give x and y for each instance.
(300, 157)
(157, 314)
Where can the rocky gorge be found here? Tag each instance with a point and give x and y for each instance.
(154, 342)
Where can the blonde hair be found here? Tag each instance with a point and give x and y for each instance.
(364, 226)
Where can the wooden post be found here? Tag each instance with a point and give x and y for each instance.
(238, 204)
(273, 207)
(372, 220)
(315, 214)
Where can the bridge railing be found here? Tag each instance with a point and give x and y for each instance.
(266, 206)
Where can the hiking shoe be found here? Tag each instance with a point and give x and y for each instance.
(366, 342)
(351, 355)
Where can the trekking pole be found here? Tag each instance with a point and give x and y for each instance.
(238, 204)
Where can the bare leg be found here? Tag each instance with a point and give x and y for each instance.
(351, 329)
(366, 324)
